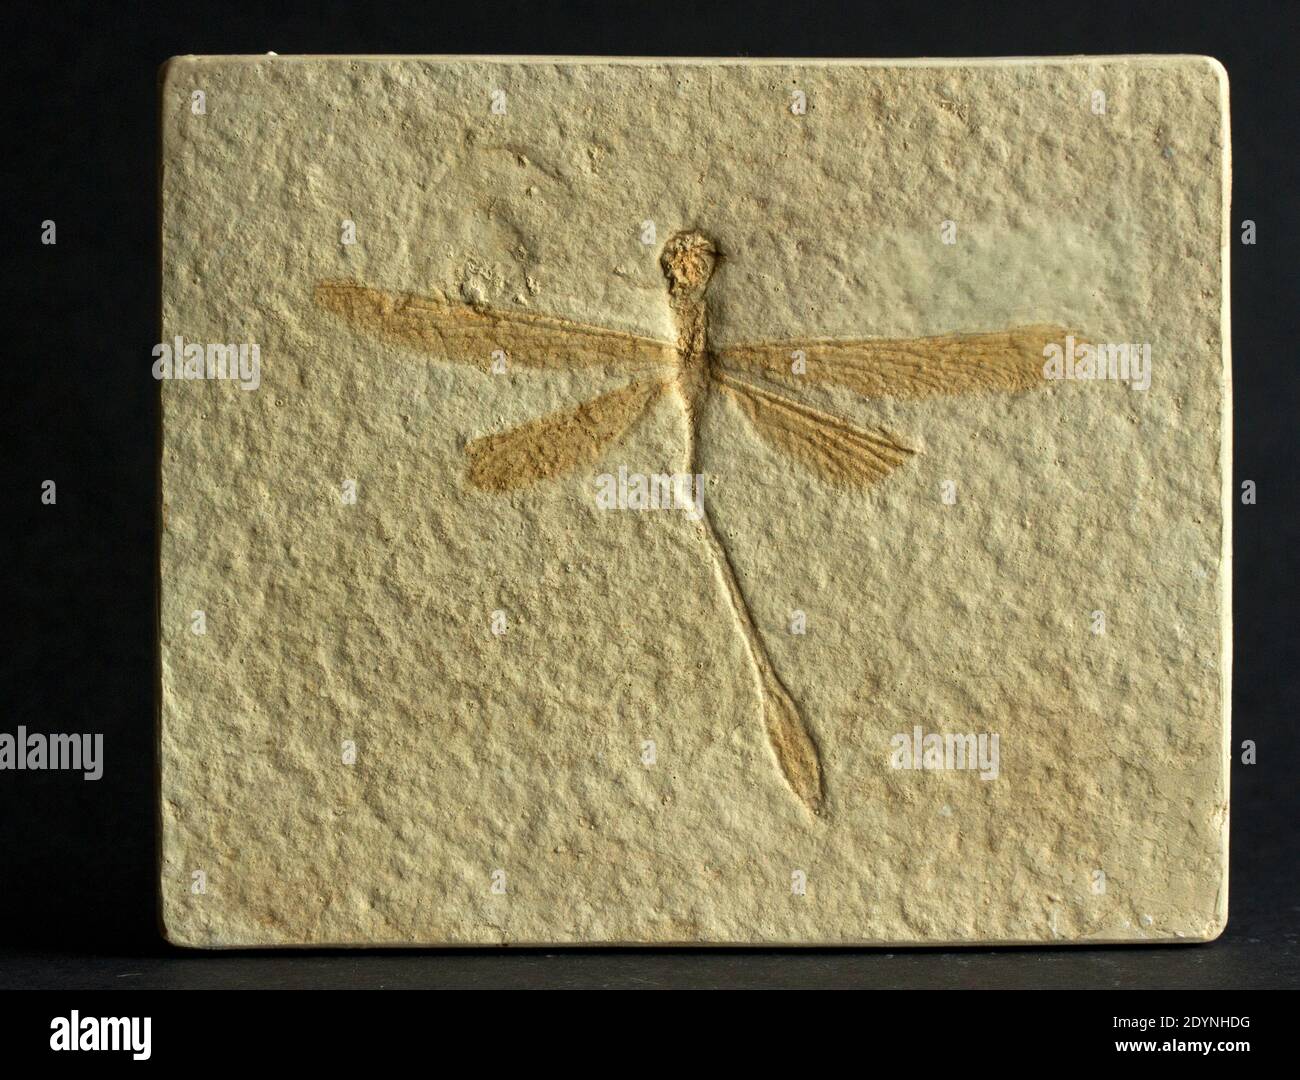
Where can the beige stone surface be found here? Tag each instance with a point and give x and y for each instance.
(500, 791)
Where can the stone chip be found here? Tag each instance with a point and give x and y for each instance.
(693, 501)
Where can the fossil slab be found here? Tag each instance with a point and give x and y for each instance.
(693, 501)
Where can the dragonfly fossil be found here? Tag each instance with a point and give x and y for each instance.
(762, 378)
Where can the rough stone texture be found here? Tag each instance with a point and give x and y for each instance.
(522, 752)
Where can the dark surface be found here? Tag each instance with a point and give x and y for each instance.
(77, 859)
(1230, 964)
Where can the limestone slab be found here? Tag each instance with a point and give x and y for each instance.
(693, 501)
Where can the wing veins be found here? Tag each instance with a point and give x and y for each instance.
(468, 334)
(827, 443)
(1007, 361)
(559, 442)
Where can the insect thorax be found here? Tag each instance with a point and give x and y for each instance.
(689, 260)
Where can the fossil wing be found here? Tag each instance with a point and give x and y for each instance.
(560, 442)
(466, 334)
(1001, 361)
(839, 452)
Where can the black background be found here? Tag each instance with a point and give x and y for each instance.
(77, 859)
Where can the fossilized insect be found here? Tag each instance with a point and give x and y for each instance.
(761, 377)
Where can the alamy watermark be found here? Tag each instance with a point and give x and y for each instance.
(242, 363)
(1086, 362)
(658, 491)
(967, 750)
(130, 1034)
(32, 751)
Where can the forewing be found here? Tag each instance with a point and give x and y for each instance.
(471, 335)
(836, 450)
(1005, 360)
(561, 442)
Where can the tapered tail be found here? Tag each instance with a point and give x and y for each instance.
(789, 737)
(787, 734)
